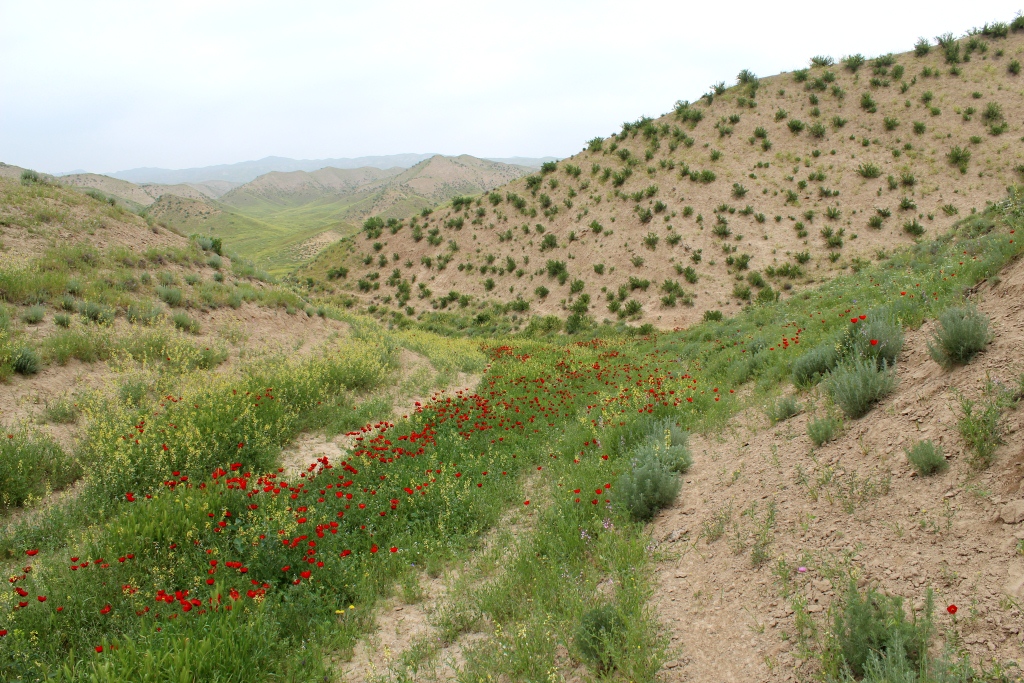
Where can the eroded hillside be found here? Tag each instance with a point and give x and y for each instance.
(758, 189)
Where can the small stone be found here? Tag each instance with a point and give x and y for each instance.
(1013, 512)
(672, 664)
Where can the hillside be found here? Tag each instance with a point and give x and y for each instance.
(281, 219)
(758, 189)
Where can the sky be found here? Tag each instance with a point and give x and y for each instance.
(107, 85)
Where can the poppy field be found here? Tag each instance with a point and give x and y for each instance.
(192, 555)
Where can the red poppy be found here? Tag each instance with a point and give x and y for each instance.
(30, 553)
(951, 609)
(853, 320)
(41, 598)
(394, 549)
(105, 609)
(373, 548)
(99, 648)
(130, 496)
(3, 632)
(874, 342)
(306, 574)
(526, 502)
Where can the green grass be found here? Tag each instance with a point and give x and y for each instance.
(31, 466)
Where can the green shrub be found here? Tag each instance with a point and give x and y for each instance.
(823, 429)
(783, 409)
(879, 338)
(959, 157)
(927, 458)
(869, 171)
(25, 361)
(30, 467)
(96, 313)
(712, 316)
(62, 320)
(874, 624)
(183, 322)
(599, 635)
(980, 426)
(33, 315)
(647, 487)
(857, 384)
(961, 334)
(812, 366)
(169, 295)
(143, 313)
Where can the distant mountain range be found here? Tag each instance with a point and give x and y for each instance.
(246, 171)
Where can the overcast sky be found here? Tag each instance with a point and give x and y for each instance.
(106, 85)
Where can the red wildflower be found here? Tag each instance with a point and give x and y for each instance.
(373, 548)
(30, 553)
(951, 609)
(874, 342)
(105, 609)
(41, 598)
(99, 648)
(526, 502)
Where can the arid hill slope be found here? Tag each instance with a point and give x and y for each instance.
(777, 182)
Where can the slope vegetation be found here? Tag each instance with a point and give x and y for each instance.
(758, 189)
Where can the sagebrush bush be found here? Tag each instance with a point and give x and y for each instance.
(647, 487)
(183, 322)
(981, 428)
(857, 384)
(823, 429)
(598, 635)
(32, 465)
(783, 409)
(169, 295)
(961, 334)
(668, 442)
(874, 623)
(812, 366)
(33, 315)
(26, 361)
(927, 458)
(879, 338)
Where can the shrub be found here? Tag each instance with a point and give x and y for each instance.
(813, 365)
(783, 409)
(33, 315)
(868, 104)
(890, 122)
(795, 126)
(919, 128)
(30, 467)
(823, 429)
(712, 316)
(871, 625)
(25, 361)
(62, 320)
(879, 338)
(184, 323)
(869, 170)
(853, 62)
(647, 487)
(1013, 67)
(913, 228)
(922, 47)
(817, 130)
(961, 334)
(144, 313)
(169, 295)
(927, 458)
(980, 427)
(857, 384)
(598, 635)
(959, 157)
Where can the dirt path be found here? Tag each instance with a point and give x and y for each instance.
(852, 507)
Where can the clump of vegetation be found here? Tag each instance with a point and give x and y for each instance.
(823, 429)
(783, 409)
(927, 458)
(961, 334)
(185, 323)
(980, 425)
(857, 384)
(31, 466)
(647, 487)
(598, 636)
(26, 361)
(870, 628)
(812, 366)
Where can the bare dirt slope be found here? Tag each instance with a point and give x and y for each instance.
(786, 158)
(853, 507)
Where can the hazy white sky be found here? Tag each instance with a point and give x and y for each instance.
(109, 85)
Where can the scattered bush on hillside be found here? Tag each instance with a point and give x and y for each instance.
(857, 384)
(812, 366)
(184, 323)
(871, 628)
(26, 361)
(783, 409)
(879, 338)
(33, 315)
(960, 157)
(927, 458)
(961, 334)
(853, 62)
(824, 429)
(869, 170)
(647, 487)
